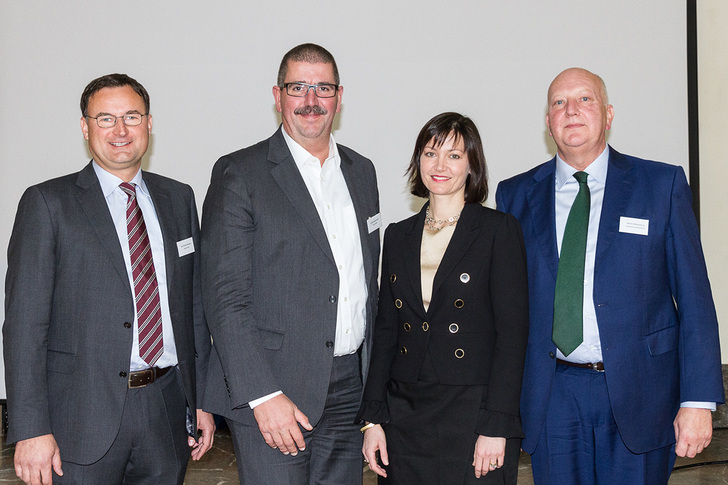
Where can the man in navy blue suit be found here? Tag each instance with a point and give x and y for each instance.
(638, 385)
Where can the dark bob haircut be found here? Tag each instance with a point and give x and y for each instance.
(439, 129)
(112, 81)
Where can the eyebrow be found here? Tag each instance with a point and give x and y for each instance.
(130, 112)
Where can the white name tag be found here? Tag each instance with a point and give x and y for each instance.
(185, 247)
(374, 222)
(630, 225)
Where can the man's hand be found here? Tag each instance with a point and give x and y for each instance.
(693, 431)
(36, 459)
(206, 424)
(278, 420)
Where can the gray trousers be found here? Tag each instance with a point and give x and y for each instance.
(151, 447)
(333, 449)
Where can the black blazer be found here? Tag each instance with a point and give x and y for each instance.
(476, 327)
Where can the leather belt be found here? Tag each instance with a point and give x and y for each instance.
(597, 366)
(144, 377)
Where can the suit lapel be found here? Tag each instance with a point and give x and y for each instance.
(617, 193)
(465, 233)
(411, 256)
(165, 215)
(289, 179)
(91, 199)
(362, 209)
(542, 206)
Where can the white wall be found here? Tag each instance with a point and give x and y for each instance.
(713, 106)
(209, 68)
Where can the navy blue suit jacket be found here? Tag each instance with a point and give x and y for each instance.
(657, 322)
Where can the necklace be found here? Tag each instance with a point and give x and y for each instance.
(432, 223)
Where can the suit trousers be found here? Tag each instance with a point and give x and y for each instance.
(151, 447)
(580, 443)
(333, 449)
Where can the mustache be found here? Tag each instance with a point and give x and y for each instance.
(308, 110)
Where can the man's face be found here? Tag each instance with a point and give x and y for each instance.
(308, 119)
(118, 149)
(577, 117)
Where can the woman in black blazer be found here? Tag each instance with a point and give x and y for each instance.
(441, 400)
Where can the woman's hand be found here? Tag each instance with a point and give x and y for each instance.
(489, 454)
(375, 440)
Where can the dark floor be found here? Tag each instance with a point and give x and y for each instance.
(218, 466)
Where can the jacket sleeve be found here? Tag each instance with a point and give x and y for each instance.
(28, 302)
(499, 415)
(374, 401)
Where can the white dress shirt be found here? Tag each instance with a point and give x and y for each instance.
(328, 190)
(116, 200)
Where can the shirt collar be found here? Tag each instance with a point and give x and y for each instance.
(301, 156)
(596, 170)
(110, 182)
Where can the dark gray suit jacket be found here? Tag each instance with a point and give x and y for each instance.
(269, 278)
(67, 343)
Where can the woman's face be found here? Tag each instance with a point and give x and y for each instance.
(444, 169)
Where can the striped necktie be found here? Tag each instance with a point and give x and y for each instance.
(146, 290)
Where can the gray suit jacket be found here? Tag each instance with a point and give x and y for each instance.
(67, 343)
(269, 278)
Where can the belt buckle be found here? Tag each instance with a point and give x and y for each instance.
(145, 376)
(595, 366)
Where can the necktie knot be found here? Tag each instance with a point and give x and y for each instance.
(581, 177)
(128, 188)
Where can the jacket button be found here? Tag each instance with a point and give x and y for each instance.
(393, 278)
(459, 303)
(332, 299)
(459, 353)
(122, 374)
(454, 328)
(552, 355)
(329, 344)
(403, 350)
(425, 326)
(127, 325)
(398, 303)
(465, 277)
(407, 327)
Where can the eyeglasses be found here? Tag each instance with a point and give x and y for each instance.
(322, 90)
(129, 119)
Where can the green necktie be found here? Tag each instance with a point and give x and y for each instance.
(569, 300)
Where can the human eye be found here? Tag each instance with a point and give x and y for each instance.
(325, 88)
(132, 117)
(428, 153)
(585, 98)
(455, 156)
(295, 87)
(558, 102)
(106, 118)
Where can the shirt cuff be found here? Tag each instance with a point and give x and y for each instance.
(263, 399)
(698, 404)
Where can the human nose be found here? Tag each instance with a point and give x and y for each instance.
(120, 127)
(311, 95)
(571, 107)
(440, 163)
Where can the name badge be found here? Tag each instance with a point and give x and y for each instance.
(631, 225)
(374, 222)
(185, 247)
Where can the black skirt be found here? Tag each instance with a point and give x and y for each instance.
(431, 437)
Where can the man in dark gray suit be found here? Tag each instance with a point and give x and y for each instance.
(290, 248)
(104, 331)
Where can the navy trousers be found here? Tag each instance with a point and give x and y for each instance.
(580, 443)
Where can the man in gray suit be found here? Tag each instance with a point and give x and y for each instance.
(290, 248)
(104, 331)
